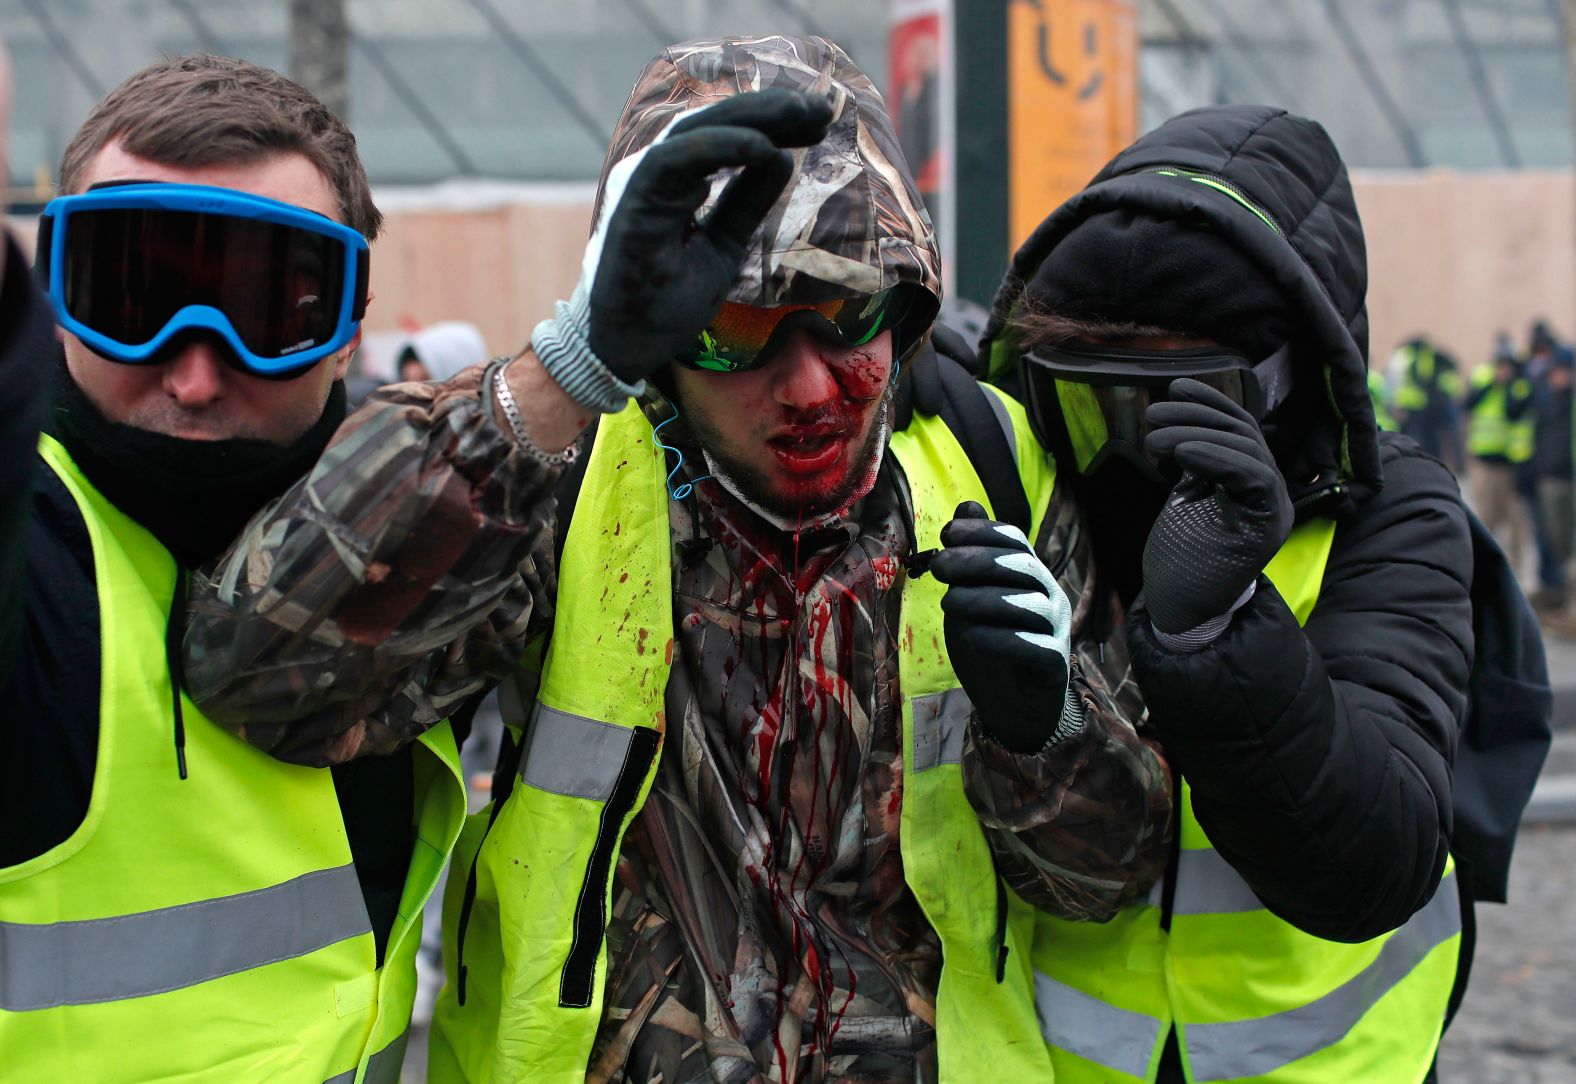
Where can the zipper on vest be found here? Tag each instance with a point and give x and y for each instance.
(1001, 927)
(1168, 887)
(1315, 497)
(576, 983)
(174, 630)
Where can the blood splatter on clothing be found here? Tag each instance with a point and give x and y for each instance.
(762, 929)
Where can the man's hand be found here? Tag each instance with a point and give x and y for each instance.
(1008, 627)
(1225, 519)
(661, 276)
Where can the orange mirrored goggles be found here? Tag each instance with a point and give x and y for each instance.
(743, 337)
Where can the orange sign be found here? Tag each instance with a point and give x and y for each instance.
(1072, 99)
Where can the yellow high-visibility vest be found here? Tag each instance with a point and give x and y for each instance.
(212, 928)
(534, 952)
(1251, 997)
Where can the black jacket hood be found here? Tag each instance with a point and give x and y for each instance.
(1274, 185)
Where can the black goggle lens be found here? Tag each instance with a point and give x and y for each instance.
(129, 271)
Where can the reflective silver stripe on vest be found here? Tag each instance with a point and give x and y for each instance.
(1207, 885)
(572, 755)
(151, 952)
(1071, 1020)
(382, 1067)
(940, 721)
(1004, 420)
(1251, 1048)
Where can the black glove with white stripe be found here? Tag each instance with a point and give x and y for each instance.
(1008, 628)
(653, 275)
(1223, 522)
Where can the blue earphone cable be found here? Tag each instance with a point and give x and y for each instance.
(684, 489)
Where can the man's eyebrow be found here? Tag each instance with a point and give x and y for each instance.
(116, 184)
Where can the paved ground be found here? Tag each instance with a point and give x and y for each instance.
(1518, 1025)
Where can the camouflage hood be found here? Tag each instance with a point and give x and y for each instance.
(852, 223)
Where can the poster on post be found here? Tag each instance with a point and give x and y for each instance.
(1072, 99)
(921, 97)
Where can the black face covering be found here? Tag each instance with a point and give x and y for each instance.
(1121, 496)
(194, 495)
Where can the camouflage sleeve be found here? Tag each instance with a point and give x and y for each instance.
(1082, 829)
(401, 577)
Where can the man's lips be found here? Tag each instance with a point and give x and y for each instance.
(809, 449)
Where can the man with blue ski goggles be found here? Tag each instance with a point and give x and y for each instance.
(136, 270)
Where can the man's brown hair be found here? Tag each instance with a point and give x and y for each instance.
(201, 110)
(1032, 327)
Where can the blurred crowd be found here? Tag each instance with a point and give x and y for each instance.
(1505, 429)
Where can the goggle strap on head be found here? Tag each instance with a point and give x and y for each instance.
(363, 276)
(1275, 379)
(41, 251)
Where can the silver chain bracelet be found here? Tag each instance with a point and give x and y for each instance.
(511, 412)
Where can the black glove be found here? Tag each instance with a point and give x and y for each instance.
(1225, 519)
(1008, 627)
(661, 277)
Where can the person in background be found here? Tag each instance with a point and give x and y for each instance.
(175, 904)
(1498, 406)
(440, 351)
(1553, 469)
(1427, 399)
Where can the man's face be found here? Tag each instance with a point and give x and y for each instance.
(196, 395)
(799, 436)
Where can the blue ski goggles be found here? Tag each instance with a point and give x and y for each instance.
(135, 270)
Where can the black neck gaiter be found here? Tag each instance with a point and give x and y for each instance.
(193, 495)
(1121, 503)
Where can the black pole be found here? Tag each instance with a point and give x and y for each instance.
(981, 172)
(320, 52)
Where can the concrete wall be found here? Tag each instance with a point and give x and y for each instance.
(500, 267)
(1460, 255)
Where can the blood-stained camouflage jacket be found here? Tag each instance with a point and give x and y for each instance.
(411, 569)
(762, 927)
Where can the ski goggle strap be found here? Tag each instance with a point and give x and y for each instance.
(743, 337)
(1083, 399)
(133, 270)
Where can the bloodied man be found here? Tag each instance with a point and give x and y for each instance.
(780, 803)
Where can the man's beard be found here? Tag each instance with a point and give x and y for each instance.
(753, 488)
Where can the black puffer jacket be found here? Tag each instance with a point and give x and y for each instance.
(1319, 757)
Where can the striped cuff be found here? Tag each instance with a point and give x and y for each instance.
(563, 346)
(1201, 636)
(1072, 718)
